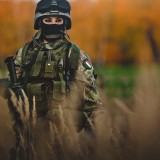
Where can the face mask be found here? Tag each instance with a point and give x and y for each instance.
(51, 29)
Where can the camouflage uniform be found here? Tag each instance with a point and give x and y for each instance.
(76, 98)
(58, 79)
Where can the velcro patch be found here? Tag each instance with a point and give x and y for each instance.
(87, 64)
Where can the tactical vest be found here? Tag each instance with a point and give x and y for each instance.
(50, 74)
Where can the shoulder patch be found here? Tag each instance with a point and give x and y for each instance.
(87, 64)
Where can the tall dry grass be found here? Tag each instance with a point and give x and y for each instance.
(125, 131)
(145, 126)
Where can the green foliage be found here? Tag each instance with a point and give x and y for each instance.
(118, 81)
(3, 73)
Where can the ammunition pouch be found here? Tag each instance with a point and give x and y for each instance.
(49, 69)
(47, 95)
(57, 91)
(57, 97)
(36, 90)
(40, 91)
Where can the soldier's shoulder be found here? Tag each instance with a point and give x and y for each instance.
(85, 69)
(77, 50)
(84, 62)
(80, 57)
(20, 53)
(23, 47)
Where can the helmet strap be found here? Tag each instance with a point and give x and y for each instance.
(66, 35)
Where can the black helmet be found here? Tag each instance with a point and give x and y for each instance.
(47, 8)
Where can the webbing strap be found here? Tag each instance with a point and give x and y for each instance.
(37, 66)
(74, 56)
(25, 50)
(61, 73)
(63, 84)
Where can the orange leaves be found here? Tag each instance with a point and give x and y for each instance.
(108, 29)
(108, 21)
(16, 25)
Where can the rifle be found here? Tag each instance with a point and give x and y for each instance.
(20, 127)
(12, 74)
(13, 82)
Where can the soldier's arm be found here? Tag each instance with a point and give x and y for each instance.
(18, 62)
(92, 105)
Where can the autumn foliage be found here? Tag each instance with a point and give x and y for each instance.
(110, 31)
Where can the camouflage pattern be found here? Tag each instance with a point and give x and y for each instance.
(79, 107)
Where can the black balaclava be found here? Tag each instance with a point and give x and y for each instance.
(52, 30)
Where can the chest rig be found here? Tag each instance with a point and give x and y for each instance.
(57, 61)
(49, 69)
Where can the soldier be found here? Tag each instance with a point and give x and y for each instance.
(58, 78)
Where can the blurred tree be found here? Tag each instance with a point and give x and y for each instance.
(16, 25)
(110, 31)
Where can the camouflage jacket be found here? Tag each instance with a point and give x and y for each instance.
(82, 102)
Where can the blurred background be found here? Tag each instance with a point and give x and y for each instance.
(118, 35)
(110, 31)
(122, 37)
